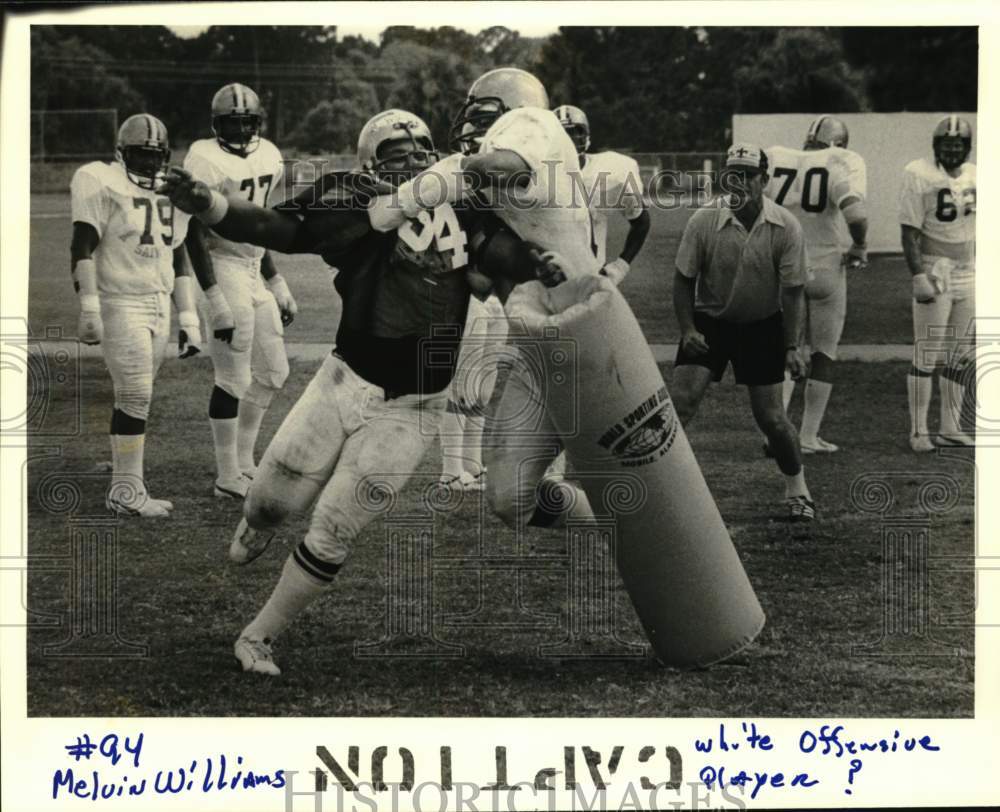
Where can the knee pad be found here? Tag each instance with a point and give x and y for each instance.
(264, 511)
(260, 394)
(133, 398)
(232, 370)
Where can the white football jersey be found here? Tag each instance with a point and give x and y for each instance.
(550, 211)
(611, 183)
(812, 184)
(253, 178)
(942, 207)
(139, 229)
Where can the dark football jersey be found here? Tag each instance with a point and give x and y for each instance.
(405, 292)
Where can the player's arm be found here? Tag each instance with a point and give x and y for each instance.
(189, 327)
(923, 288)
(911, 219)
(279, 289)
(90, 212)
(444, 182)
(856, 215)
(85, 239)
(220, 316)
(232, 218)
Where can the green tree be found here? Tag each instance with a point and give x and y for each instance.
(802, 70)
(429, 82)
(918, 69)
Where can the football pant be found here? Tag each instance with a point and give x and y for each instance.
(136, 330)
(345, 450)
(826, 303)
(257, 351)
(942, 327)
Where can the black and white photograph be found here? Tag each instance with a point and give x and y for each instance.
(436, 366)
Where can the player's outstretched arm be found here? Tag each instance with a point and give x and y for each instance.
(90, 328)
(235, 219)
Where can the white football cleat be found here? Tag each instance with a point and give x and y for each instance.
(921, 443)
(451, 482)
(255, 655)
(233, 488)
(817, 446)
(146, 508)
(957, 440)
(248, 544)
(473, 482)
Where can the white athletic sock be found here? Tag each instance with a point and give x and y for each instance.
(294, 591)
(248, 419)
(795, 484)
(472, 444)
(787, 390)
(224, 434)
(817, 395)
(918, 388)
(951, 393)
(451, 433)
(126, 453)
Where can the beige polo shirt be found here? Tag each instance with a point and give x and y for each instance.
(740, 274)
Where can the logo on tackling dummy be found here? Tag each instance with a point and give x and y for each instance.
(645, 434)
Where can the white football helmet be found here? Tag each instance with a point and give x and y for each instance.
(492, 95)
(143, 149)
(236, 119)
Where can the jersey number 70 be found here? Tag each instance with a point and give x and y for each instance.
(819, 174)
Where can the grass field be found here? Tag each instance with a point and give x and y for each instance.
(823, 593)
(878, 299)
(826, 592)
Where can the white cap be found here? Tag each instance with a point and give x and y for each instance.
(743, 154)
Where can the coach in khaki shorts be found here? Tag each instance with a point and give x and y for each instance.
(739, 296)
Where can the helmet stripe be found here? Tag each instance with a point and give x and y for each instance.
(814, 129)
(236, 96)
(953, 124)
(149, 126)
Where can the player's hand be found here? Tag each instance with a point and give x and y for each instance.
(924, 290)
(615, 270)
(186, 193)
(90, 327)
(856, 258)
(795, 364)
(283, 296)
(693, 342)
(220, 317)
(189, 334)
(550, 267)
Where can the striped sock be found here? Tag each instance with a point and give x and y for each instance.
(303, 579)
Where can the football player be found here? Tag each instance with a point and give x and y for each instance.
(248, 302)
(372, 408)
(128, 256)
(824, 186)
(517, 147)
(475, 378)
(937, 212)
(611, 183)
